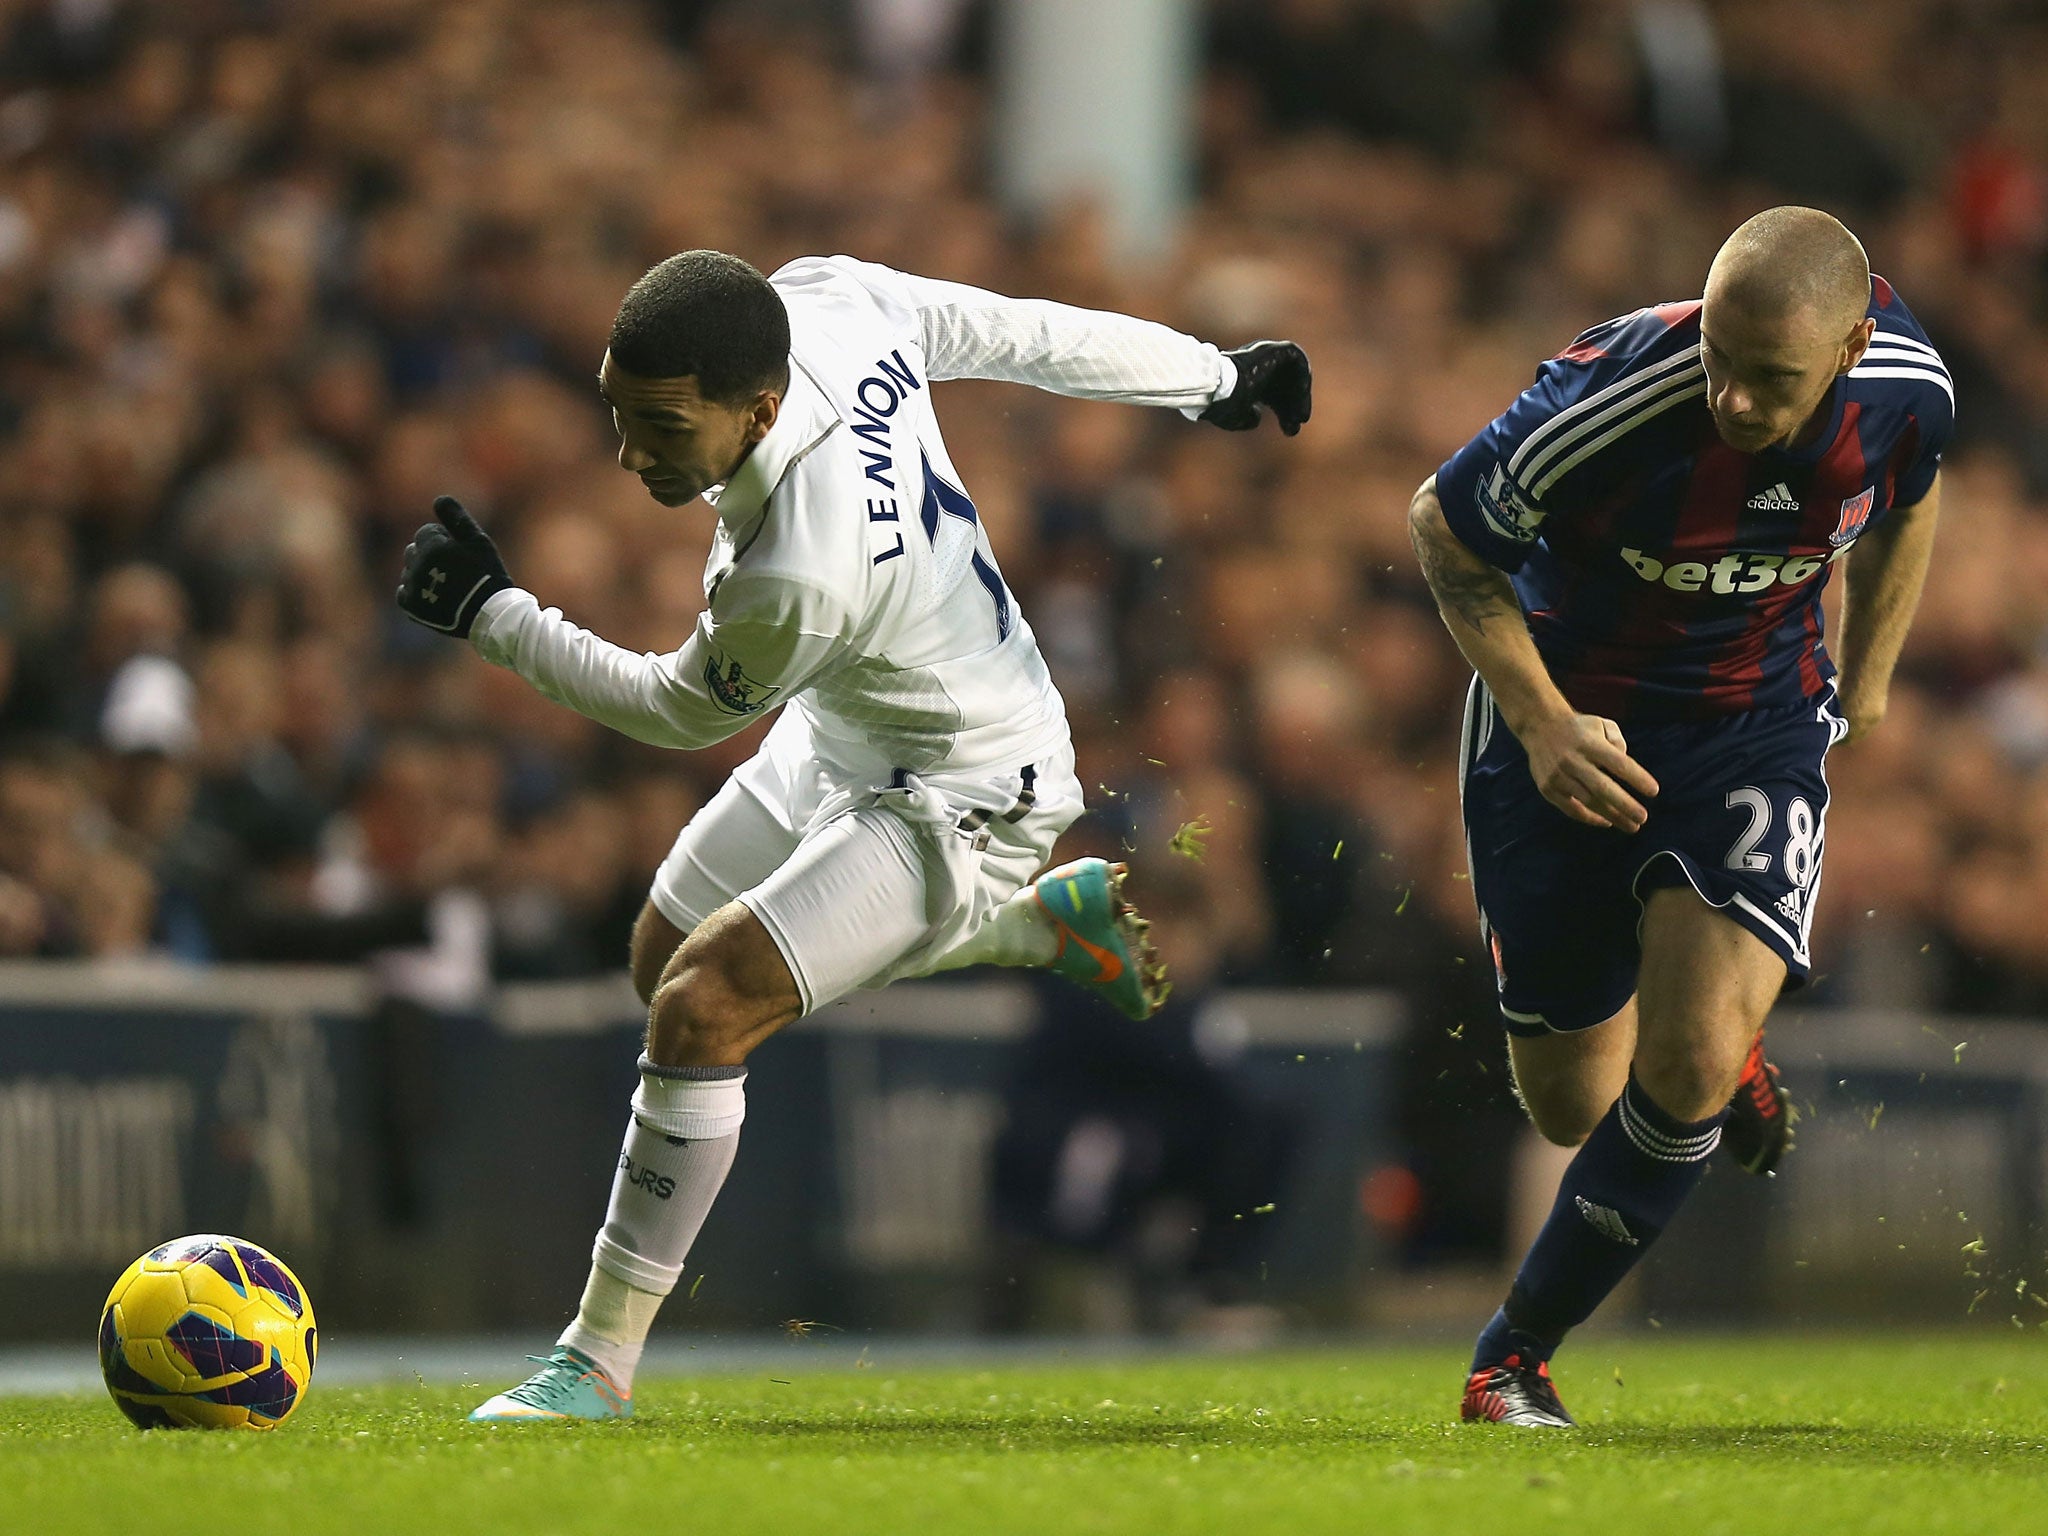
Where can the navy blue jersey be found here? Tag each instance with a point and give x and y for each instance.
(1666, 576)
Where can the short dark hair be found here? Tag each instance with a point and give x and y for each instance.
(1791, 258)
(708, 316)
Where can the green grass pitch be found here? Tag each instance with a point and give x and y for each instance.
(1749, 1437)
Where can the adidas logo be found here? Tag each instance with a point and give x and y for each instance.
(1791, 904)
(1606, 1221)
(1778, 498)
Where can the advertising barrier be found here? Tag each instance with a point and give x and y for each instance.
(426, 1172)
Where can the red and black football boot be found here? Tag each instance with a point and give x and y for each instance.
(1758, 1130)
(1514, 1393)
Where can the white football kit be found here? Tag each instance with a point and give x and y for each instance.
(921, 769)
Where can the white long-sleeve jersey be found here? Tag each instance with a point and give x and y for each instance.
(849, 577)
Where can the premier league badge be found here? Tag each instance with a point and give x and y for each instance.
(735, 692)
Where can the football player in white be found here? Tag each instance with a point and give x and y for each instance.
(921, 769)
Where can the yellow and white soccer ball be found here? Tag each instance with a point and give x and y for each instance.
(208, 1332)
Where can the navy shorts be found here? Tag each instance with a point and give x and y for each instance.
(1740, 816)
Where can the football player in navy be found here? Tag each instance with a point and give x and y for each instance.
(1632, 558)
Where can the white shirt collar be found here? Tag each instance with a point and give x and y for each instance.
(805, 420)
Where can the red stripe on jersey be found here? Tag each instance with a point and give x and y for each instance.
(1836, 479)
(1902, 457)
(1709, 526)
(1592, 351)
(1602, 671)
(1881, 291)
(1809, 651)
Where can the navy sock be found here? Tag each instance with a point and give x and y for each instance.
(1500, 1339)
(1622, 1189)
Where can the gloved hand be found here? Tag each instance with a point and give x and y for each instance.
(451, 570)
(1273, 374)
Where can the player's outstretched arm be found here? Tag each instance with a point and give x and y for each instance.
(1579, 762)
(1094, 354)
(774, 639)
(1887, 569)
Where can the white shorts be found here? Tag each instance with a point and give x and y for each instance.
(858, 883)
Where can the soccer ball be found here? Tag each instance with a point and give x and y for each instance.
(207, 1332)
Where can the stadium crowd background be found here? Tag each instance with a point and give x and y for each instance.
(274, 275)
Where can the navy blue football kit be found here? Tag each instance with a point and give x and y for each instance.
(1672, 584)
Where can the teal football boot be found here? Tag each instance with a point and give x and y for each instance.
(568, 1385)
(1102, 938)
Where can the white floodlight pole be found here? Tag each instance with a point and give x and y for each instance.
(1096, 99)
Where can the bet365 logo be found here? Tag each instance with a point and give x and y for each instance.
(1732, 573)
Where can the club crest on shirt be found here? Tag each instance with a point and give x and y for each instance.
(732, 690)
(1855, 513)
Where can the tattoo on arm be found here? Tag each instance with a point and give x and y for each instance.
(1475, 593)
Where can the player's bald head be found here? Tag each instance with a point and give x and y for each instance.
(1788, 263)
(1786, 314)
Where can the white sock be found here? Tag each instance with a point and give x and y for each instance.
(611, 1324)
(679, 1148)
(1017, 933)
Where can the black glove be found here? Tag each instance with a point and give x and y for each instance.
(1269, 373)
(451, 570)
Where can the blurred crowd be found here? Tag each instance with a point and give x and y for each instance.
(273, 275)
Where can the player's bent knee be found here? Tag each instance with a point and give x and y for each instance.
(1567, 1133)
(721, 995)
(696, 1018)
(1563, 1121)
(1690, 1083)
(655, 942)
(1566, 1104)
